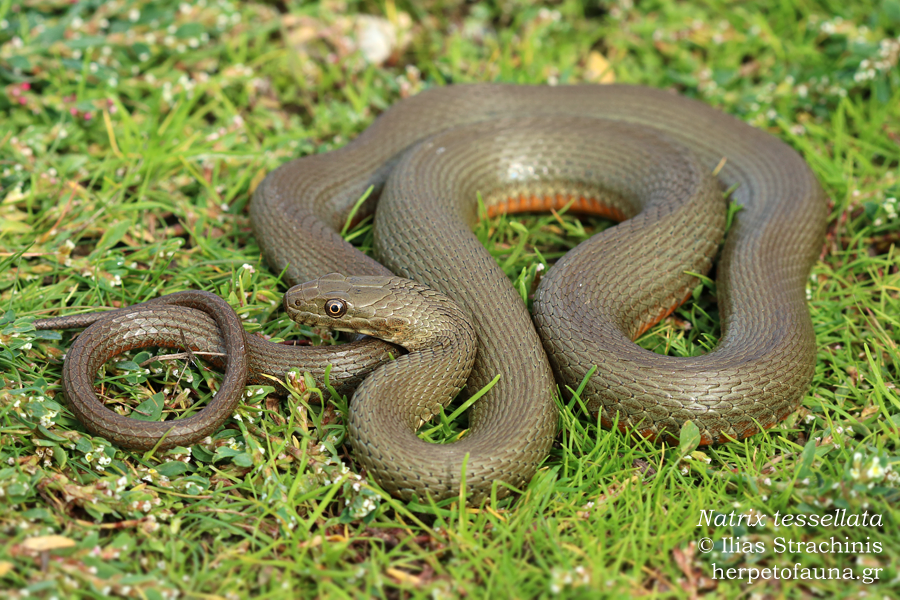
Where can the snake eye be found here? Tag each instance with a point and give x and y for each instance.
(335, 308)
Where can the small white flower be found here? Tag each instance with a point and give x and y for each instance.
(875, 470)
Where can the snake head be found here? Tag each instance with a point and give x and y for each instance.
(371, 305)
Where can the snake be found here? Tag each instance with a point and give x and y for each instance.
(658, 162)
(207, 326)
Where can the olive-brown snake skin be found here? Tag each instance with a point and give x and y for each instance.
(211, 328)
(629, 152)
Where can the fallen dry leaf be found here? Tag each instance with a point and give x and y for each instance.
(48, 542)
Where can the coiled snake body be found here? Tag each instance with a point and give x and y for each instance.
(629, 152)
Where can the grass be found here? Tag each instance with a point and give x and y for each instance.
(131, 137)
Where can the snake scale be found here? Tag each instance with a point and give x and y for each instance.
(639, 155)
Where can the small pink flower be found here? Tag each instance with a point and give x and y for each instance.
(23, 100)
(88, 116)
(25, 86)
(73, 111)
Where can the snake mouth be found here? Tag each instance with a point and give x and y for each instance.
(393, 309)
(389, 330)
